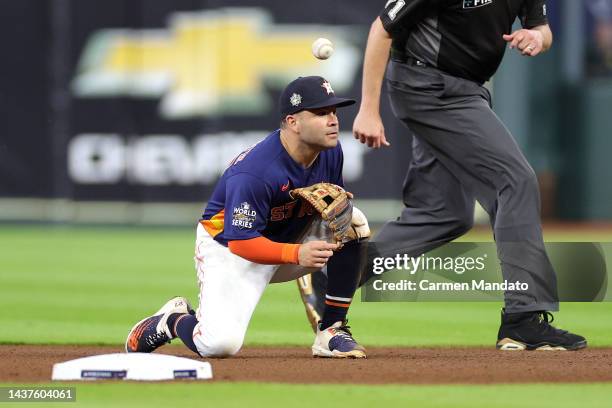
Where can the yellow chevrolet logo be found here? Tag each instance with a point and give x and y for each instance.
(210, 62)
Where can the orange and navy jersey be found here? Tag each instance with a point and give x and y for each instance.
(252, 197)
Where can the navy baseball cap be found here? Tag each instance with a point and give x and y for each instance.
(309, 92)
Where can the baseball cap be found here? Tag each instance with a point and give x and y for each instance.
(309, 92)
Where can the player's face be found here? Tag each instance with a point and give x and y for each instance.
(319, 127)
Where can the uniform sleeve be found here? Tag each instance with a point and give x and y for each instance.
(533, 13)
(247, 204)
(261, 250)
(399, 16)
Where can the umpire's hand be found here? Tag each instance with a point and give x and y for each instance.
(528, 42)
(368, 128)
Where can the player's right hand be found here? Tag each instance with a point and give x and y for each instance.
(368, 129)
(315, 254)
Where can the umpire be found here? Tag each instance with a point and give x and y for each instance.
(439, 54)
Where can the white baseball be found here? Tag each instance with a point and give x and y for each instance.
(322, 48)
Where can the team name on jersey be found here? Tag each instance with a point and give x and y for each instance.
(285, 211)
(243, 216)
(467, 4)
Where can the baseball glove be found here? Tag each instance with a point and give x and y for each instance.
(334, 205)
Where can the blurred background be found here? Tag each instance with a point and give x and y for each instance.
(127, 112)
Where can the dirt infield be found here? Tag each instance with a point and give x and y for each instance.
(383, 366)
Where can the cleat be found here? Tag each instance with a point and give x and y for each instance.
(533, 331)
(153, 332)
(337, 342)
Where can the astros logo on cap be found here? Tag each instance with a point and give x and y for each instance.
(327, 87)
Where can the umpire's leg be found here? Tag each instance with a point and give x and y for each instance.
(437, 210)
(454, 118)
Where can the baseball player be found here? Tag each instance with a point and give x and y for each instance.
(437, 55)
(255, 230)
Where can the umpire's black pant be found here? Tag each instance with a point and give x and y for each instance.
(462, 153)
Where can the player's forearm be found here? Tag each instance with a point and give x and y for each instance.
(261, 250)
(547, 36)
(374, 65)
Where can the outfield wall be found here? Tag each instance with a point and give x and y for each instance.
(113, 110)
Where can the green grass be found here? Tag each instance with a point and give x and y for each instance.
(269, 395)
(89, 285)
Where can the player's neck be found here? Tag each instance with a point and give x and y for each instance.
(301, 153)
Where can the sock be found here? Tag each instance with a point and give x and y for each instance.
(181, 325)
(343, 273)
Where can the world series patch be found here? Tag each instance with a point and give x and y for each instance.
(467, 4)
(243, 216)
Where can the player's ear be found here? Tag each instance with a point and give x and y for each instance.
(291, 122)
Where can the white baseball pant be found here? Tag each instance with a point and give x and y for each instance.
(230, 287)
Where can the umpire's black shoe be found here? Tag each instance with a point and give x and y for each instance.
(533, 331)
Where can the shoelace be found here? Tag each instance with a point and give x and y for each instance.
(345, 332)
(546, 318)
(154, 339)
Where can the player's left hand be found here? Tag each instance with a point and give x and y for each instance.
(529, 42)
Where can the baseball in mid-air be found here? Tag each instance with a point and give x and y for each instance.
(322, 48)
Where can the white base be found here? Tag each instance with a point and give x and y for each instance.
(132, 366)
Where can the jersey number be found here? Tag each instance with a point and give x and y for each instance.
(399, 4)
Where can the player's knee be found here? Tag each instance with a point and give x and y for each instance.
(223, 345)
